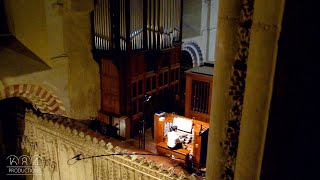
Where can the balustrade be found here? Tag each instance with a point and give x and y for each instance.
(56, 142)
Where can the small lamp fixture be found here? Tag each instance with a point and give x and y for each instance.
(147, 98)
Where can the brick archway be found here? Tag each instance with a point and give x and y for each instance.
(195, 52)
(39, 97)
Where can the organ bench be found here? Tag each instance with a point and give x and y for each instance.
(195, 149)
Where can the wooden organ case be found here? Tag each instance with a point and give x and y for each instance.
(137, 44)
(196, 147)
(198, 92)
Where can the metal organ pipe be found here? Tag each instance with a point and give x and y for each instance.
(173, 17)
(121, 24)
(134, 25)
(94, 28)
(124, 26)
(177, 17)
(156, 24)
(103, 27)
(169, 22)
(131, 25)
(154, 7)
(137, 11)
(165, 15)
(98, 25)
(151, 24)
(96, 17)
(161, 24)
(101, 24)
(163, 21)
(148, 24)
(108, 25)
(105, 22)
(141, 21)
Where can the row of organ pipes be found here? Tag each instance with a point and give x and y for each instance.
(200, 96)
(163, 24)
(102, 25)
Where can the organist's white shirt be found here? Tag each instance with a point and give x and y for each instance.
(173, 139)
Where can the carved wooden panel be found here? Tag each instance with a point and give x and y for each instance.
(198, 96)
(110, 87)
(137, 65)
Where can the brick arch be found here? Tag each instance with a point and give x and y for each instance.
(39, 97)
(195, 52)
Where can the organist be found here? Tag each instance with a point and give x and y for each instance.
(174, 139)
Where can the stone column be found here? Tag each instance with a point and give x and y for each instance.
(84, 81)
(264, 37)
(226, 47)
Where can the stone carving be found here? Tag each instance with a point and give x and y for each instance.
(64, 143)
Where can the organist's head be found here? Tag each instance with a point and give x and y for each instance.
(174, 128)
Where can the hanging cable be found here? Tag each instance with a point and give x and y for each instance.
(78, 158)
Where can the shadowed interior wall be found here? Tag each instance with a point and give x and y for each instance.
(291, 150)
(11, 130)
(3, 20)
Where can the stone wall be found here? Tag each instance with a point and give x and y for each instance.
(58, 32)
(200, 25)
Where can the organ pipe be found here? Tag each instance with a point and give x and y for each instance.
(161, 22)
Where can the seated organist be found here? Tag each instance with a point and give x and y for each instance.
(181, 137)
(174, 139)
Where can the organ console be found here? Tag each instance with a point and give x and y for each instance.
(137, 44)
(195, 146)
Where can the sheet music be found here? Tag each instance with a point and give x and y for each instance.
(167, 126)
(183, 124)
